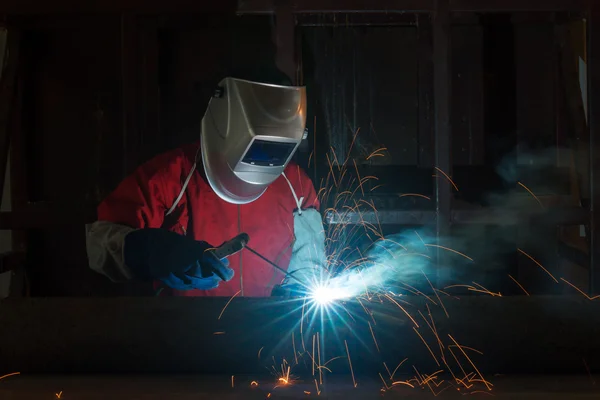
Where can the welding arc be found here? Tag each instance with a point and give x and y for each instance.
(272, 264)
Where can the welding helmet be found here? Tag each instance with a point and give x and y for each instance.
(250, 132)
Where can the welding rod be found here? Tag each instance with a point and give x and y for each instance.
(241, 242)
(272, 264)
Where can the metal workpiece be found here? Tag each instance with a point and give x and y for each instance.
(497, 216)
(193, 387)
(207, 335)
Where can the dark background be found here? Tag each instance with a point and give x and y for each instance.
(98, 95)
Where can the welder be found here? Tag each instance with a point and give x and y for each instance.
(162, 221)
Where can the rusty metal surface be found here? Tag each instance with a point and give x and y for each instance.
(520, 334)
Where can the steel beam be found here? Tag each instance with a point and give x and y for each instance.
(285, 40)
(186, 335)
(442, 131)
(33, 7)
(415, 6)
(485, 216)
(385, 217)
(337, 6)
(8, 96)
(593, 77)
(425, 91)
(518, 5)
(355, 19)
(48, 216)
(93, 7)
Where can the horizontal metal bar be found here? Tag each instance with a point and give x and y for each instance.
(384, 217)
(492, 216)
(337, 6)
(186, 335)
(355, 19)
(37, 7)
(60, 22)
(145, 7)
(45, 216)
(414, 6)
(518, 5)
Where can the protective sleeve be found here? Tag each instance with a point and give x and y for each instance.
(140, 201)
(308, 258)
(104, 245)
(308, 191)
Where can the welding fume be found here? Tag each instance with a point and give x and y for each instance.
(230, 214)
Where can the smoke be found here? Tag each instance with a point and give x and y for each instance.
(481, 251)
(399, 259)
(528, 173)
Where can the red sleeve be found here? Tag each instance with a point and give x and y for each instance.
(143, 198)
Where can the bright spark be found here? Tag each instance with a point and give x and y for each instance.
(324, 295)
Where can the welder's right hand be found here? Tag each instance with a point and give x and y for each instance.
(199, 276)
(180, 262)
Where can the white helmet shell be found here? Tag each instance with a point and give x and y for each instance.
(249, 134)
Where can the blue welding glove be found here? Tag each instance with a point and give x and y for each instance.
(180, 262)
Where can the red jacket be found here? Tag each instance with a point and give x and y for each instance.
(143, 198)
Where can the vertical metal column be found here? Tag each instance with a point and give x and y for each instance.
(441, 90)
(425, 54)
(593, 76)
(8, 79)
(285, 27)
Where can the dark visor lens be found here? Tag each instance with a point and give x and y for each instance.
(265, 153)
